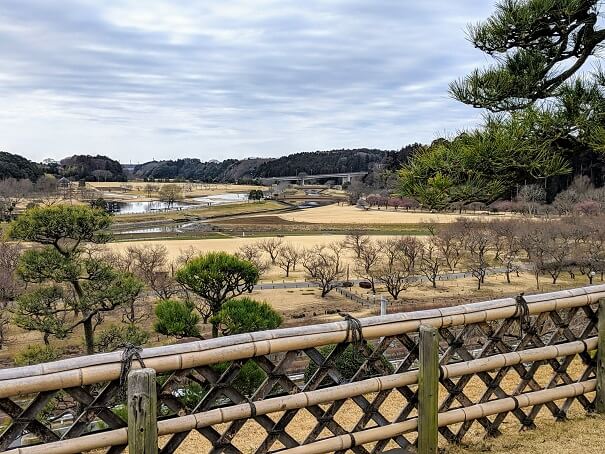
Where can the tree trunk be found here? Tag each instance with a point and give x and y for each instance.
(46, 341)
(214, 330)
(507, 276)
(89, 336)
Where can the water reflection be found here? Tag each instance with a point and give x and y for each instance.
(139, 207)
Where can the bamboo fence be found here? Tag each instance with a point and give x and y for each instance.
(498, 360)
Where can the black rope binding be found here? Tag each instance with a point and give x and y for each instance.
(129, 354)
(354, 330)
(522, 313)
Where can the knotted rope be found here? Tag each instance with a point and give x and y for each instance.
(354, 330)
(522, 313)
(129, 354)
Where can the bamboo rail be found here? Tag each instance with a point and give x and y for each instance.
(484, 340)
(338, 443)
(306, 399)
(92, 369)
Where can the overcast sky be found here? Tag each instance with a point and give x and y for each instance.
(143, 79)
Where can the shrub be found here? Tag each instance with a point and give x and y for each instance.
(176, 318)
(588, 207)
(245, 315)
(250, 377)
(115, 336)
(348, 363)
(36, 354)
(502, 206)
(217, 277)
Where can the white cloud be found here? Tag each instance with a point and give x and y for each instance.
(163, 78)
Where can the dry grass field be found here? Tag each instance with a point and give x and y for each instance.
(189, 189)
(175, 247)
(347, 214)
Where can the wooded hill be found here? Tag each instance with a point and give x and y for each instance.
(18, 167)
(102, 168)
(315, 162)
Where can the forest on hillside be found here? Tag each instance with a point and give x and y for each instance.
(313, 162)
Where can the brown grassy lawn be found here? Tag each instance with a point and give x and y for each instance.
(581, 434)
(189, 189)
(347, 214)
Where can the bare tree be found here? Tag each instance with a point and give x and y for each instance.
(356, 241)
(412, 250)
(253, 254)
(272, 247)
(431, 261)
(449, 239)
(185, 256)
(150, 264)
(530, 239)
(592, 248)
(477, 244)
(150, 189)
(170, 193)
(394, 269)
(508, 244)
(531, 197)
(367, 262)
(288, 257)
(555, 243)
(323, 264)
(12, 192)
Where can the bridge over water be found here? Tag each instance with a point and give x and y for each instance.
(302, 178)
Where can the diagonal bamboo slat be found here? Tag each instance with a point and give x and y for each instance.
(494, 366)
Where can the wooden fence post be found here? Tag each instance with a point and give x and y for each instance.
(428, 390)
(142, 412)
(600, 395)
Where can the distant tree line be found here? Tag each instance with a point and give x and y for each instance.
(77, 167)
(377, 162)
(92, 168)
(18, 167)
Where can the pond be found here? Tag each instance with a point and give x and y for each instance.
(139, 207)
(221, 199)
(148, 207)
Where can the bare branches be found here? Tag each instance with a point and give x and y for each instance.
(356, 242)
(254, 254)
(323, 264)
(272, 247)
(395, 268)
(288, 258)
(367, 262)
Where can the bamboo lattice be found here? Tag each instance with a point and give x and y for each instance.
(496, 365)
